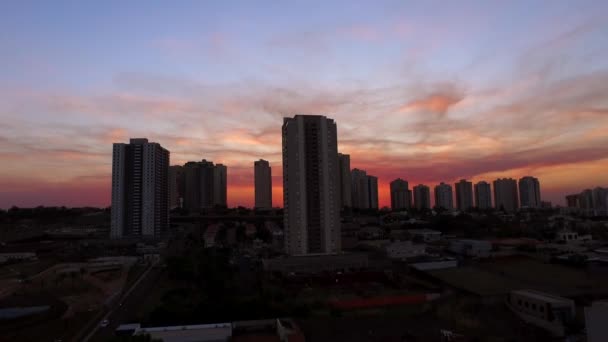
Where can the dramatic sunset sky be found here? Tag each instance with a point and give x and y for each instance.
(427, 91)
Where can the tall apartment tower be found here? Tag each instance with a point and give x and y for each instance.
(345, 181)
(505, 194)
(220, 185)
(140, 189)
(444, 196)
(401, 196)
(529, 192)
(176, 186)
(207, 184)
(464, 195)
(311, 198)
(422, 197)
(263, 184)
(483, 195)
(360, 189)
(372, 182)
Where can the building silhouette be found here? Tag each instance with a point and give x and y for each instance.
(444, 196)
(176, 186)
(505, 194)
(345, 181)
(372, 182)
(483, 195)
(401, 196)
(263, 184)
(205, 185)
(422, 197)
(220, 185)
(464, 195)
(572, 201)
(529, 192)
(311, 198)
(360, 189)
(140, 189)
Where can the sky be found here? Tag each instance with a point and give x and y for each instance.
(427, 91)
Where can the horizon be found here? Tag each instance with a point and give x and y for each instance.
(420, 92)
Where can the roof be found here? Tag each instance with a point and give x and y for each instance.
(546, 297)
(423, 231)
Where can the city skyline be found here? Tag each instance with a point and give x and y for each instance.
(460, 93)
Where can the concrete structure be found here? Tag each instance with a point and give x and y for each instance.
(483, 195)
(404, 250)
(426, 235)
(4, 257)
(176, 186)
(220, 185)
(315, 263)
(205, 185)
(505, 194)
(311, 198)
(422, 197)
(360, 189)
(401, 196)
(464, 195)
(443, 196)
(263, 184)
(140, 189)
(372, 182)
(572, 201)
(542, 309)
(600, 201)
(346, 199)
(529, 192)
(596, 317)
(431, 265)
(189, 333)
(472, 248)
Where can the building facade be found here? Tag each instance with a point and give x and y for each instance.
(311, 197)
(483, 195)
(372, 182)
(505, 194)
(464, 195)
(529, 192)
(345, 181)
(140, 189)
(360, 189)
(444, 196)
(422, 197)
(220, 185)
(176, 186)
(401, 196)
(262, 173)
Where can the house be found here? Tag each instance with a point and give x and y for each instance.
(544, 310)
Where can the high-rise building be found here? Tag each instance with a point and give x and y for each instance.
(586, 201)
(311, 197)
(204, 185)
(505, 194)
(444, 196)
(140, 189)
(422, 197)
(372, 182)
(464, 195)
(176, 186)
(263, 184)
(345, 182)
(401, 196)
(572, 201)
(600, 201)
(360, 189)
(483, 195)
(529, 192)
(220, 185)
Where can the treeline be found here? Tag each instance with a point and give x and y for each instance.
(41, 212)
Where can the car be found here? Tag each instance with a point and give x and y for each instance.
(104, 323)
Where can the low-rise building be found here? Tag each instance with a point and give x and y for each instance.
(4, 257)
(426, 235)
(404, 250)
(542, 309)
(472, 248)
(314, 263)
(596, 317)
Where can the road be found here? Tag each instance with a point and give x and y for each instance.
(122, 308)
